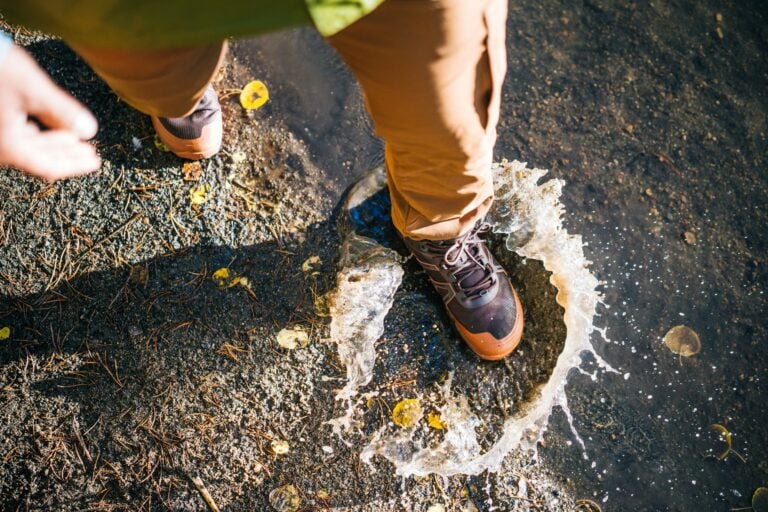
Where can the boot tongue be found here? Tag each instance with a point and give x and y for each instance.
(474, 274)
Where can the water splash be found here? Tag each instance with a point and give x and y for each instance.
(530, 215)
(365, 288)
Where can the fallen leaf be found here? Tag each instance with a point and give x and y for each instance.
(5, 333)
(293, 338)
(192, 171)
(224, 278)
(311, 263)
(585, 505)
(726, 436)
(161, 145)
(760, 500)
(682, 340)
(407, 412)
(279, 447)
(285, 499)
(199, 195)
(433, 418)
(254, 95)
(322, 307)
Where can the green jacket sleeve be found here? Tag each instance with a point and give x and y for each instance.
(158, 24)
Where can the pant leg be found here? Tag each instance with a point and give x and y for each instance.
(165, 83)
(431, 71)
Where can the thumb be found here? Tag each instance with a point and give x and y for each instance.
(53, 106)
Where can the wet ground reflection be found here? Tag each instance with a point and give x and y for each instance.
(663, 154)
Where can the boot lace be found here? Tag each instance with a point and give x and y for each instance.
(467, 262)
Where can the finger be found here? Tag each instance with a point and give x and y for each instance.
(54, 155)
(53, 106)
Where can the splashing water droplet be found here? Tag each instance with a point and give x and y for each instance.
(530, 215)
(365, 289)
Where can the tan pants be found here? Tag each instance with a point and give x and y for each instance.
(431, 71)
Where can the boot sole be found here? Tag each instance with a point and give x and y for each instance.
(499, 348)
(205, 146)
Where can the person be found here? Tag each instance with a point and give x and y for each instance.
(431, 73)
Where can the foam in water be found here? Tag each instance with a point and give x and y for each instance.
(530, 214)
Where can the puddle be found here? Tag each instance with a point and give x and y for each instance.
(527, 217)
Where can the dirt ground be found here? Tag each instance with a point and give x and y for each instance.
(129, 371)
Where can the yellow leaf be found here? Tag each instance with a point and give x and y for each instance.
(585, 505)
(682, 340)
(322, 308)
(5, 333)
(293, 338)
(407, 412)
(221, 276)
(224, 278)
(192, 171)
(254, 95)
(161, 145)
(285, 499)
(279, 447)
(311, 263)
(726, 437)
(433, 418)
(199, 195)
(760, 500)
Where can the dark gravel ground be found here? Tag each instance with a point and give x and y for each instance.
(129, 371)
(656, 115)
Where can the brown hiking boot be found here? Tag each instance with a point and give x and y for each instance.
(476, 291)
(197, 135)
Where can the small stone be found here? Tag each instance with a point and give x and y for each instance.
(718, 17)
(719, 33)
(649, 192)
(629, 128)
(689, 238)
(437, 507)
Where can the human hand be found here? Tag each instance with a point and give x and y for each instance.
(59, 150)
